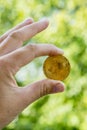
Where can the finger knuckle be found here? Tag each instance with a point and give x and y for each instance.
(16, 35)
(33, 49)
(45, 88)
(32, 46)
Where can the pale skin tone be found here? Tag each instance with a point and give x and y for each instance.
(13, 99)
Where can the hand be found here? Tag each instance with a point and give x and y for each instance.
(14, 99)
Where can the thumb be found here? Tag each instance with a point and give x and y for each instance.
(36, 90)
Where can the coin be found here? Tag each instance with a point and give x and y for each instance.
(56, 67)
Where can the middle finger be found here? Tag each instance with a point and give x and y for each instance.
(15, 40)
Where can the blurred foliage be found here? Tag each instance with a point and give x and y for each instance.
(68, 30)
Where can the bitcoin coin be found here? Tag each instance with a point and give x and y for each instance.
(56, 67)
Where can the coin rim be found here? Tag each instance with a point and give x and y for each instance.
(44, 70)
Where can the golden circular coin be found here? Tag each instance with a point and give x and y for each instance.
(56, 67)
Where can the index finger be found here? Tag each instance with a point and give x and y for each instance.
(29, 31)
(24, 55)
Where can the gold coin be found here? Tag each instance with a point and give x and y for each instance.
(56, 67)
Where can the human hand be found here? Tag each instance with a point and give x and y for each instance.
(13, 99)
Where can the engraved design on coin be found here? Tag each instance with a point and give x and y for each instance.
(56, 67)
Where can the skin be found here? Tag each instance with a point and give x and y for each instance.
(13, 56)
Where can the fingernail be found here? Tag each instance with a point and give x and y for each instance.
(60, 51)
(29, 20)
(58, 88)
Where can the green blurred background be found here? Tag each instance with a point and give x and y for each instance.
(67, 30)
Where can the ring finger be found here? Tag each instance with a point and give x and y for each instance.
(24, 23)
